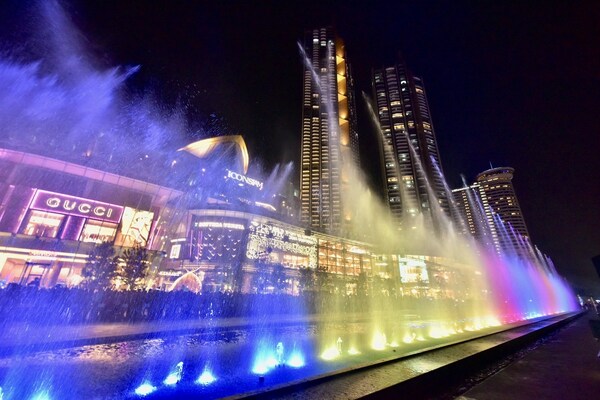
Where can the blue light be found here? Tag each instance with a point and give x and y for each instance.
(264, 361)
(43, 395)
(172, 379)
(206, 378)
(296, 360)
(175, 376)
(145, 389)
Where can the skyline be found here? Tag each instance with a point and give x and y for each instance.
(485, 86)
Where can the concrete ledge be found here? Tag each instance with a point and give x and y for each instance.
(424, 375)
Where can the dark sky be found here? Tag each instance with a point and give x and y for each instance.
(508, 83)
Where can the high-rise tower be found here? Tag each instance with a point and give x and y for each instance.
(497, 185)
(329, 133)
(491, 211)
(412, 170)
(473, 216)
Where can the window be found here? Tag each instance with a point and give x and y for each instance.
(98, 231)
(43, 224)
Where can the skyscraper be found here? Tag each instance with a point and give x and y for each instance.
(412, 170)
(329, 133)
(497, 185)
(492, 213)
(473, 216)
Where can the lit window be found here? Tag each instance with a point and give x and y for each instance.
(43, 224)
(98, 232)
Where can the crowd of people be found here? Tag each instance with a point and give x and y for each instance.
(63, 305)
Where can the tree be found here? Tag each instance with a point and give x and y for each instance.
(307, 279)
(378, 285)
(134, 267)
(278, 278)
(261, 278)
(100, 267)
(362, 288)
(323, 279)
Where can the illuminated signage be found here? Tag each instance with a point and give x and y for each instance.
(175, 251)
(264, 236)
(135, 228)
(41, 253)
(170, 273)
(78, 206)
(226, 225)
(244, 179)
(413, 271)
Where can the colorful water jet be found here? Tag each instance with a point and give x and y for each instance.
(411, 290)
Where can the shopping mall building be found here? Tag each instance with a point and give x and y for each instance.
(53, 213)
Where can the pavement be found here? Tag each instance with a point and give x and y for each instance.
(564, 367)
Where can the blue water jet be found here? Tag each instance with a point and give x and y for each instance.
(145, 389)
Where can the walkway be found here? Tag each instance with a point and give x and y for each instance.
(565, 367)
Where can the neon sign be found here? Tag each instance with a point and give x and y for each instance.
(244, 179)
(226, 225)
(77, 206)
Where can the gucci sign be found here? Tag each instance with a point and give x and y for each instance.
(78, 206)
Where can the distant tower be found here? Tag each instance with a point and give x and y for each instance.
(408, 146)
(491, 211)
(472, 216)
(329, 134)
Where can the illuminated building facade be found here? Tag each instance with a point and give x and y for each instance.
(236, 250)
(471, 216)
(410, 157)
(491, 212)
(329, 132)
(510, 225)
(53, 213)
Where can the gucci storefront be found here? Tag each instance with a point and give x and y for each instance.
(52, 214)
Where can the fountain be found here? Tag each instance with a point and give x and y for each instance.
(417, 290)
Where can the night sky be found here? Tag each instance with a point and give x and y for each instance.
(508, 84)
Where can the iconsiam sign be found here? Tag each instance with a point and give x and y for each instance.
(357, 301)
